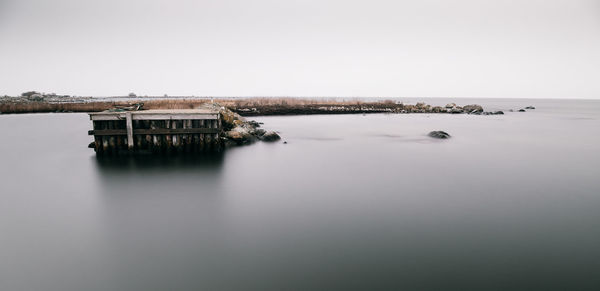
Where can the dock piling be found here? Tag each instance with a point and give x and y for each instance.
(156, 131)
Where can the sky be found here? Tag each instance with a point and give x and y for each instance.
(350, 48)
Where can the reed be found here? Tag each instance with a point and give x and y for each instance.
(21, 106)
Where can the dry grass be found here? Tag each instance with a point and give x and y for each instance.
(296, 102)
(173, 103)
(29, 107)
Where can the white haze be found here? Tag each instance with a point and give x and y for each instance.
(466, 48)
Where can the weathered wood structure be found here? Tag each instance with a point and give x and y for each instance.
(156, 131)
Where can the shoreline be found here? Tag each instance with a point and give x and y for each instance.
(255, 106)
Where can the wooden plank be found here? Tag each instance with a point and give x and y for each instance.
(154, 116)
(176, 131)
(106, 132)
(138, 116)
(129, 124)
(107, 117)
(155, 131)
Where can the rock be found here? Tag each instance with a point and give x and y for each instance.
(450, 105)
(253, 123)
(258, 132)
(238, 130)
(473, 108)
(229, 119)
(493, 113)
(422, 107)
(437, 109)
(92, 145)
(529, 107)
(457, 110)
(240, 135)
(439, 134)
(270, 136)
(235, 135)
(521, 110)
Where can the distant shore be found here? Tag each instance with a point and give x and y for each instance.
(253, 106)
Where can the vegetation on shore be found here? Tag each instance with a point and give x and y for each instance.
(32, 102)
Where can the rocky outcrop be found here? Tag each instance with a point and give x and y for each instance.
(473, 108)
(239, 135)
(346, 107)
(237, 130)
(457, 110)
(493, 113)
(363, 107)
(439, 134)
(438, 109)
(454, 109)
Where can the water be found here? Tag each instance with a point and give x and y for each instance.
(354, 202)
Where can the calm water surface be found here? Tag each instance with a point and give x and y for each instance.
(355, 202)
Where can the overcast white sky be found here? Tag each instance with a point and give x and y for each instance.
(456, 48)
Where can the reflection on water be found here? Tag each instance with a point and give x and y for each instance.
(162, 219)
(354, 202)
(134, 163)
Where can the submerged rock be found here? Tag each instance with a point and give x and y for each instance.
(521, 110)
(270, 136)
(529, 107)
(439, 134)
(493, 113)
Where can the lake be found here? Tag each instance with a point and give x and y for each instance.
(351, 202)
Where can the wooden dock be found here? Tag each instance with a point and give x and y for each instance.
(156, 131)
